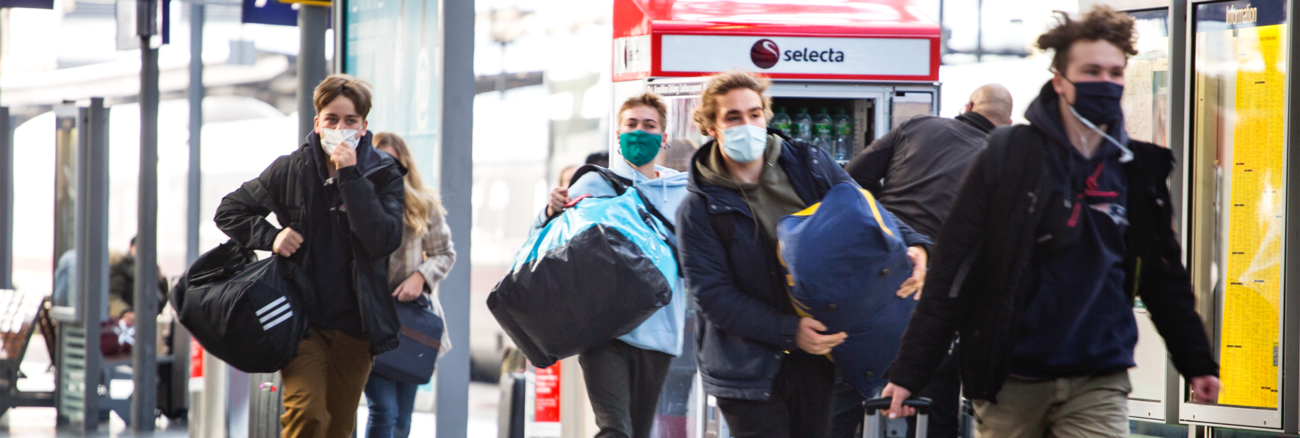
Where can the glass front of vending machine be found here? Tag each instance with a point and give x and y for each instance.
(846, 115)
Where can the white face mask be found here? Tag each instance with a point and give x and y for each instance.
(744, 143)
(330, 139)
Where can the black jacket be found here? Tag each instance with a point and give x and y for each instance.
(978, 281)
(739, 287)
(373, 193)
(921, 163)
(121, 287)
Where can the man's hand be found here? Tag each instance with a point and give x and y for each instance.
(344, 155)
(559, 197)
(899, 394)
(287, 242)
(808, 339)
(914, 283)
(1205, 389)
(410, 288)
(128, 317)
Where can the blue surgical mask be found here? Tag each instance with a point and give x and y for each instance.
(744, 143)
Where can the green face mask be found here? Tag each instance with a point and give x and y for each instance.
(639, 147)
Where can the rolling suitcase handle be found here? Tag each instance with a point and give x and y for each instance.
(871, 425)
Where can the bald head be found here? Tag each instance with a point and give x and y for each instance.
(992, 101)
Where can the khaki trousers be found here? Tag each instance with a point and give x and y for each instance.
(1094, 406)
(323, 385)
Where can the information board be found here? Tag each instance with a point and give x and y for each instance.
(1241, 56)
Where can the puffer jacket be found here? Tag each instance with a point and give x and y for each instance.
(739, 286)
(373, 193)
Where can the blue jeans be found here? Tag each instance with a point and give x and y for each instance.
(391, 404)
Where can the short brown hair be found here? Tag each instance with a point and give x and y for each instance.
(706, 115)
(647, 99)
(1102, 23)
(335, 85)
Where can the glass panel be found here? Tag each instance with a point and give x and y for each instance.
(1146, 108)
(1237, 158)
(678, 411)
(683, 135)
(65, 207)
(909, 105)
(1146, 79)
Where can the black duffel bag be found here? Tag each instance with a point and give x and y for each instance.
(415, 357)
(248, 312)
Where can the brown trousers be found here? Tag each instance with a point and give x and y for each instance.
(323, 385)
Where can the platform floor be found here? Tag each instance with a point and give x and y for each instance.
(40, 422)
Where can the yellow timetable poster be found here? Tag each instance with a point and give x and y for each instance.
(1249, 349)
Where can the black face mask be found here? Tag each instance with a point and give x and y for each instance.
(1098, 101)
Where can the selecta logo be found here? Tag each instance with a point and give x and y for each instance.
(765, 54)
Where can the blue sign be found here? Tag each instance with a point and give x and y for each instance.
(1240, 14)
(271, 12)
(33, 4)
(268, 12)
(166, 22)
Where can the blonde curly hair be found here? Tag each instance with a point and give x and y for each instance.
(706, 115)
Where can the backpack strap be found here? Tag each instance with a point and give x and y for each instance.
(650, 207)
(618, 183)
(999, 157)
(1028, 143)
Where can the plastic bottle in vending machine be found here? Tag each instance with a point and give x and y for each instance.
(782, 121)
(803, 126)
(843, 136)
(824, 130)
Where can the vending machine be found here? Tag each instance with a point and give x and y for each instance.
(843, 73)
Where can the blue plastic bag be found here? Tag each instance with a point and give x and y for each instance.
(592, 274)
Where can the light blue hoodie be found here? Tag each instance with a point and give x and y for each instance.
(664, 330)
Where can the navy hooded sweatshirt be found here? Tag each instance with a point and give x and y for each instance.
(1080, 321)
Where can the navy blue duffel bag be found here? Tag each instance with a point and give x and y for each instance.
(414, 358)
(846, 260)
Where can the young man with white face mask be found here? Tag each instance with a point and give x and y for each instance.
(765, 364)
(339, 203)
(1057, 228)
